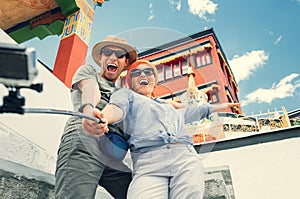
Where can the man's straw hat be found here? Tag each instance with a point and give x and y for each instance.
(112, 40)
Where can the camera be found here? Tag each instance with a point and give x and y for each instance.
(17, 71)
(17, 65)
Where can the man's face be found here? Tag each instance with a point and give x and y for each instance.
(143, 80)
(113, 60)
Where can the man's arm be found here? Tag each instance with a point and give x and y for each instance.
(90, 91)
(91, 96)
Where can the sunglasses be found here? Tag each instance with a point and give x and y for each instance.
(119, 53)
(137, 72)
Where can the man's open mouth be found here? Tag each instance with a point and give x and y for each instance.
(144, 82)
(112, 67)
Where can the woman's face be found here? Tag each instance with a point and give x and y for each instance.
(143, 80)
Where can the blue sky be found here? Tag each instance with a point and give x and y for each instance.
(260, 39)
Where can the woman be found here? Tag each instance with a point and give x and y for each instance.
(165, 163)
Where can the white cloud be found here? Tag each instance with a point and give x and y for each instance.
(151, 15)
(271, 33)
(150, 5)
(202, 7)
(244, 66)
(175, 3)
(285, 88)
(278, 39)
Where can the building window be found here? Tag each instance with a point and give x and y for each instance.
(168, 72)
(161, 75)
(202, 58)
(185, 66)
(198, 61)
(213, 95)
(176, 69)
(208, 58)
(172, 69)
(121, 82)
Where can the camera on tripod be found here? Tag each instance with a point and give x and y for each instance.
(17, 70)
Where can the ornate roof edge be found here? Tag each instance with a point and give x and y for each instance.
(41, 26)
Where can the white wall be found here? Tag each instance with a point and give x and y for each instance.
(269, 170)
(43, 129)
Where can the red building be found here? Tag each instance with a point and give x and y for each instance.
(201, 52)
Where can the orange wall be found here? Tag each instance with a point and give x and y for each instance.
(65, 64)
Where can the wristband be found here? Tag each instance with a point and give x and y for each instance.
(83, 106)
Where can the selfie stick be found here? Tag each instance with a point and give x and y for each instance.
(62, 112)
(14, 102)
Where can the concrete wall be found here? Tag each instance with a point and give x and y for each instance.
(261, 166)
(20, 182)
(16, 148)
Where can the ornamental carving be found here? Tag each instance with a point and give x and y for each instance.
(36, 4)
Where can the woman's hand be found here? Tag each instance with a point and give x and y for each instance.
(224, 106)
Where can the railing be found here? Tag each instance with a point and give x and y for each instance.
(255, 123)
(229, 125)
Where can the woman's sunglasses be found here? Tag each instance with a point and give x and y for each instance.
(137, 72)
(119, 53)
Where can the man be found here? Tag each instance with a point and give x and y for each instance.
(81, 165)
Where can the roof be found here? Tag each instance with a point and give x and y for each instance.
(24, 20)
(187, 39)
(178, 42)
(294, 113)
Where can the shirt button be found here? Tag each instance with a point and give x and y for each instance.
(168, 147)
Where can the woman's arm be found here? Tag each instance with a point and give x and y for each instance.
(112, 113)
(109, 115)
(217, 107)
(176, 105)
(223, 106)
(197, 112)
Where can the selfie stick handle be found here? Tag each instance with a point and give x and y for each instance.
(62, 112)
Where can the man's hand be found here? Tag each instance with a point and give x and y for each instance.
(93, 128)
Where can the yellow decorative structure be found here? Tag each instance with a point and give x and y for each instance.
(193, 95)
